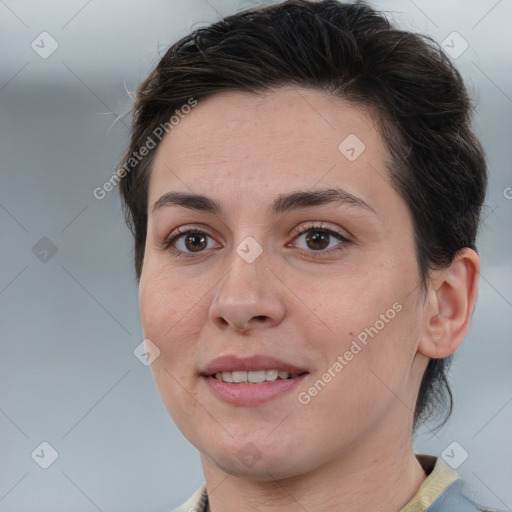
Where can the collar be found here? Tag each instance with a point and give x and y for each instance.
(439, 477)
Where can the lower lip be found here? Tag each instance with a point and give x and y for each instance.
(251, 394)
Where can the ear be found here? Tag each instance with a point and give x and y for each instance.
(450, 301)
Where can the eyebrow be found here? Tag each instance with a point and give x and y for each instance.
(284, 202)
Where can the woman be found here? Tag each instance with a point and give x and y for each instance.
(304, 190)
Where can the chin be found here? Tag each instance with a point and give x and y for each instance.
(257, 466)
(248, 459)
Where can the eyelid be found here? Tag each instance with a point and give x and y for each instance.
(320, 226)
(183, 230)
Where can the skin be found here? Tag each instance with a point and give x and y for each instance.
(349, 445)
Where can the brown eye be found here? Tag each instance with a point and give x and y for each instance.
(189, 241)
(318, 240)
(195, 242)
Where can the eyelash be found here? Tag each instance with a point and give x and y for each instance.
(179, 233)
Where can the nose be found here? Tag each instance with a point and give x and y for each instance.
(249, 296)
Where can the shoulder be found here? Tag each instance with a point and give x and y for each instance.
(196, 503)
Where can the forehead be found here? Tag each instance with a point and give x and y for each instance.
(271, 143)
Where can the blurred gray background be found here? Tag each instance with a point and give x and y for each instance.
(68, 297)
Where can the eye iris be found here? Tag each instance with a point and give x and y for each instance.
(317, 240)
(195, 242)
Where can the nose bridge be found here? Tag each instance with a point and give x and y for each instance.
(246, 295)
(243, 279)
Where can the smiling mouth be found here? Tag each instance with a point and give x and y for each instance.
(254, 377)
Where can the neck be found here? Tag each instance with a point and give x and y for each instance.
(362, 479)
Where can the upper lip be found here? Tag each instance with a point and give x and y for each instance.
(231, 363)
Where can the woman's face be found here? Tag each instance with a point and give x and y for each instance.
(301, 259)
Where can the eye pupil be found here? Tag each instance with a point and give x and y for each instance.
(317, 240)
(195, 242)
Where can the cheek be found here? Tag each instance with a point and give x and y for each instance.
(171, 314)
(364, 320)
(341, 306)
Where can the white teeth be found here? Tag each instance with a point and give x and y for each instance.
(271, 374)
(257, 376)
(239, 376)
(252, 376)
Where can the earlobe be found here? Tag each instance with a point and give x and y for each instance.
(450, 301)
